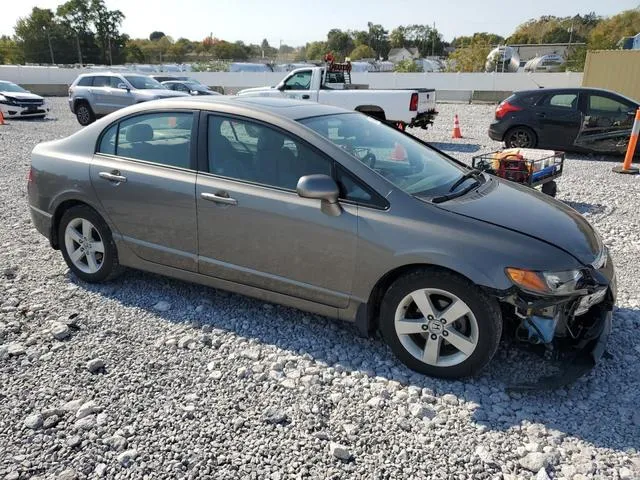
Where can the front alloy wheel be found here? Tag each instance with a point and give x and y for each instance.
(436, 327)
(440, 324)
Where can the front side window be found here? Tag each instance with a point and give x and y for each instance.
(299, 81)
(253, 152)
(162, 138)
(115, 81)
(602, 104)
(143, 83)
(408, 164)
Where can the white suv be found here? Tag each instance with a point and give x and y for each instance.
(93, 95)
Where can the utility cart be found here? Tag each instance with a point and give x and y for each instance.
(528, 166)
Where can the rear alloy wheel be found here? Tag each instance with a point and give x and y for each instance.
(84, 114)
(87, 245)
(440, 324)
(520, 137)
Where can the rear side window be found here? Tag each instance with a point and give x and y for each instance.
(161, 138)
(101, 81)
(108, 142)
(524, 100)
(85, 82)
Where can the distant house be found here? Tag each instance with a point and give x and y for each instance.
(399, 54)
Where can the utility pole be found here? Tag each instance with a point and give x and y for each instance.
(433, 40)
(53, 62)
(109, 44)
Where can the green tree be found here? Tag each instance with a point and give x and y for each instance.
(34, 36)
(156, 35)
(482, 37)
(607, 33)
(107, 23)
(378, 39)
(315, 50)
(362, 51)
(77, 16)
(471, 58)
(407, 66)
(9, 51)
(339, 42)
(397, 37)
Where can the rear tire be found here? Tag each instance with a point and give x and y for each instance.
(550, 188)
(84, 114)
(424, 342)
(87, 245)
(520, 137)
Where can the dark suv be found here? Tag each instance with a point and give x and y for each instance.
(578, 119)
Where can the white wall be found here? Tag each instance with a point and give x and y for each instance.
(439, 81)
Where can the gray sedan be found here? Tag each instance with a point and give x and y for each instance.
(331, 212)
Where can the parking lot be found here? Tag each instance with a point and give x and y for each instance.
(202, 383)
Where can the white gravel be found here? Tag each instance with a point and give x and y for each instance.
(198, 383)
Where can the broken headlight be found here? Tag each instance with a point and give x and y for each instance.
(549, 283)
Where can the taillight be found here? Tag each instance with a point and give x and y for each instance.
(70, 91)
(504, 108)
(413, 104)
(30, 175)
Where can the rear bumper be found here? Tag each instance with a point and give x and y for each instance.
(423, 119)
(42, 221)
(496, 131)
(15, 111)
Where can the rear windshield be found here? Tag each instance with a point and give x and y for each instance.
(143, 83)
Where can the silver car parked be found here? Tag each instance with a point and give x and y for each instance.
(331, 212)
(93, 95)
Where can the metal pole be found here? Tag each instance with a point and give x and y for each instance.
(53, 62)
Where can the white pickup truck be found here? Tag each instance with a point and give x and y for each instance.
(402, 108)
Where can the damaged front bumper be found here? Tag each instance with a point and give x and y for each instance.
(572, 330)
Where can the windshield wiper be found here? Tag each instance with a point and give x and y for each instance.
(457, 194)
(474, 173)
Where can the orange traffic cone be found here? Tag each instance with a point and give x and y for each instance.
(456, 127)
(2, 122)
(399, 154)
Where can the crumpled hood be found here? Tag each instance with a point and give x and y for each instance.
(532, 213)
(21, 95)
(255, 90)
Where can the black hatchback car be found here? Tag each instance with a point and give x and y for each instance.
(577, 119)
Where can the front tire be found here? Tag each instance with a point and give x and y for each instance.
(440, 324)
(84, 114)
(520, 137)
(87, 245)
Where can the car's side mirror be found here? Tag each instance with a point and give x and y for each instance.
(323, 188)
(123, 86)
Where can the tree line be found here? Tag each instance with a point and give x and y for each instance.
(86, 31)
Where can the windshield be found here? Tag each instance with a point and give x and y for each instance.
(144, 83)
(408, 164)
(11, 87)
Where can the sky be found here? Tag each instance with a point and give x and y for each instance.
(295, 22)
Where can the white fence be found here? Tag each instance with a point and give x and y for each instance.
(461, 82)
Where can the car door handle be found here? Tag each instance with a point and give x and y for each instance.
(114, 176)
(541, 114)
(219, 198)
(306, 97)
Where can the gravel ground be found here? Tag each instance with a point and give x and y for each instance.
(149, 377)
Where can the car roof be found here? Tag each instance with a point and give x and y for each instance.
(107, 73)
(573, 90)
(284, 107)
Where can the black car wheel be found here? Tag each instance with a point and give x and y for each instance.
(84, 114)
(520, 137)
(440, 324)
(550, 188)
